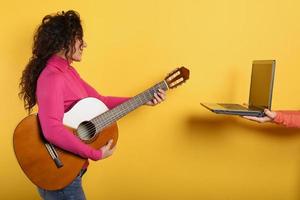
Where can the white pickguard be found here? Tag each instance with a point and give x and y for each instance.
(83, 110)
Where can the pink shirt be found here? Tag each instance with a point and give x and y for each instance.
(59, 87)
(288, 118)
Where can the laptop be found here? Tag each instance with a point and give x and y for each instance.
(260, 96)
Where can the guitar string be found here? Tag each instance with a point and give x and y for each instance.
(102, 124)
(120, 114)
(143, 97)
(86, 133)
(130, 106)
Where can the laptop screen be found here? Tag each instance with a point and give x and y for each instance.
(261, 86)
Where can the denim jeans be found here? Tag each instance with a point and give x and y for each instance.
(73, 191)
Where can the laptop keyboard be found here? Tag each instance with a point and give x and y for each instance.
(233, 106)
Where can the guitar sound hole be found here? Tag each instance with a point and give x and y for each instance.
(86, 130)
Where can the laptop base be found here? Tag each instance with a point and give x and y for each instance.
(244, 111)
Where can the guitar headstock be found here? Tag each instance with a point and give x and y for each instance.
(177, 77)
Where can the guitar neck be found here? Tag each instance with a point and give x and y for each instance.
(111, 116)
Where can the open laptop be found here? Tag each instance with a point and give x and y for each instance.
(260, 96)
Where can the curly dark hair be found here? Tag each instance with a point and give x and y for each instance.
(55, 33)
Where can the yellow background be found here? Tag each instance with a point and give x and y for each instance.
(177, 150)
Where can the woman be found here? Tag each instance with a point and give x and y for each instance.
(287, 118)
(54, 85)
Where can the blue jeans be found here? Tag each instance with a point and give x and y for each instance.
(73, 191)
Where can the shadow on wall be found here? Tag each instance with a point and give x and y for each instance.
(214, 126)
(218, 123)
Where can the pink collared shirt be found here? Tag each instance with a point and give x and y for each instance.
(59, 87)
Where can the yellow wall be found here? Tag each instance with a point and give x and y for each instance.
(177, 150)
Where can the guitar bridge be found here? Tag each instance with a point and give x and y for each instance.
(51, 150)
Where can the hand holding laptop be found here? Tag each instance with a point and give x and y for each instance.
(269, 117)
(260, 99)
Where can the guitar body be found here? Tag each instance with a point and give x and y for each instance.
(35, 160)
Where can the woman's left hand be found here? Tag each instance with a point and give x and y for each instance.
(159, 97)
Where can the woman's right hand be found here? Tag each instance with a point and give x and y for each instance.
(270, 116)
(106, 150)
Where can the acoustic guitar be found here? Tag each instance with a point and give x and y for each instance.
(52, 168)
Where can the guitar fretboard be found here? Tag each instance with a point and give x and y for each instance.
(111, 116)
